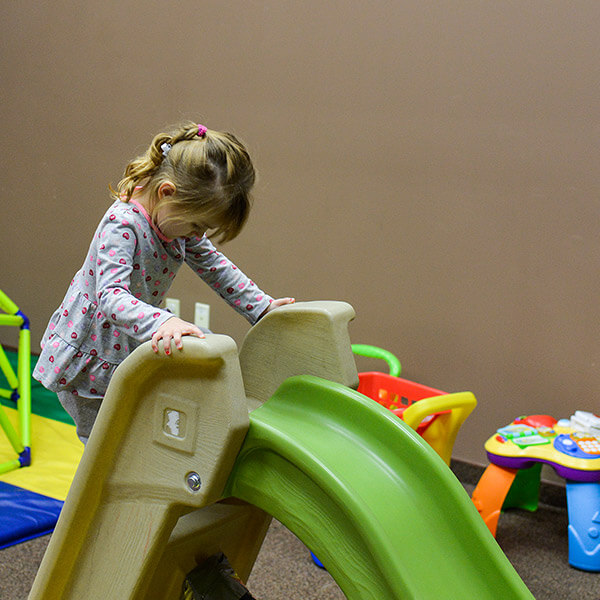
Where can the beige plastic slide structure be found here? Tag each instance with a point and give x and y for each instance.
(178, 469)
(130, 527)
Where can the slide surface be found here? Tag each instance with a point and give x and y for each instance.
(369, 497)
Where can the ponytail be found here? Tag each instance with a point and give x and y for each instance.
(140, 169)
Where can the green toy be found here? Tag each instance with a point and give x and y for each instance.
(376, 352)
(20, 384)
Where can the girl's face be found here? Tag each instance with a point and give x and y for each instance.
(173, 226)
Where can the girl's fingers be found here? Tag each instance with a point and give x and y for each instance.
(193, 330)
(155, 339)
(167, 343)
(177, 340)
(174, 331)
(284, 301)
(281, 302)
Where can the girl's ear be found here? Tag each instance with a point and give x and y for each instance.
(166, 189)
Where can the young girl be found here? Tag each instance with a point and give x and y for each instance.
(189, 182)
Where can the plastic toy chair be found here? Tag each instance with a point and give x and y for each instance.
(20, 383)
(435, 415)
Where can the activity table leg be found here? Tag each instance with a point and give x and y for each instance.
(583, 505)
(490, 493)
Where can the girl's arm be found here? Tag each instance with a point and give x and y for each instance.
(115, 262)
(113, 266)
(238, 290)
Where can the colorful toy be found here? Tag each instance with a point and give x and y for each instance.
(177, 470)
(20, 384)
(435, 415)
(516, 453)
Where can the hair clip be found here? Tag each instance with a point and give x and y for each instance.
(166, 148)
(201, 130)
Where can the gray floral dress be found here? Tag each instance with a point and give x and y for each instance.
(112, 304)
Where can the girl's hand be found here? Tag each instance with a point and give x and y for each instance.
(276, 304)
(174, 329)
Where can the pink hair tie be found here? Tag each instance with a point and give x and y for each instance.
(202, 130)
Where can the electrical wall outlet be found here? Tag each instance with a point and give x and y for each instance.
(173, 305)
(202, 315)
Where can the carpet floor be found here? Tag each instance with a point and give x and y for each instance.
(535, 543)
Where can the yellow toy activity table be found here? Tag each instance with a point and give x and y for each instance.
(572, 447)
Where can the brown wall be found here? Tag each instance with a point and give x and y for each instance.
(435, 164)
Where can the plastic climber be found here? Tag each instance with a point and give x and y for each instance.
(20, 386)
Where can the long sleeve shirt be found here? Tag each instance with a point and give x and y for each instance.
(113, 302)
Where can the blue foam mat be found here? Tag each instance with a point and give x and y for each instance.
(25, 515)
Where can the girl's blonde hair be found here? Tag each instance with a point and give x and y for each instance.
(212, 173)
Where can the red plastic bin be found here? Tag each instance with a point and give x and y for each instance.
(397, 394)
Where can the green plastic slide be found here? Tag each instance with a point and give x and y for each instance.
(369, 497)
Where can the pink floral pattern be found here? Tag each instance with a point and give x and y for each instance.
(113, 302)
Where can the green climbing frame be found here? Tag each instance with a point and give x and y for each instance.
(19, 391)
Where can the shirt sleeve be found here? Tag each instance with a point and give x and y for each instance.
(215, 269)
(115, 262)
